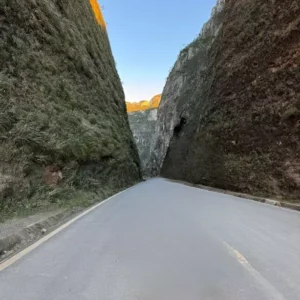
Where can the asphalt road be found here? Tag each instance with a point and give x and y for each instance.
(165, 241)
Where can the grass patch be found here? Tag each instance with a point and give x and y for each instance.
(61, 105)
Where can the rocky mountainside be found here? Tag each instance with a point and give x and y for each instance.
(63, 125)
(142, 124)
(230, 110)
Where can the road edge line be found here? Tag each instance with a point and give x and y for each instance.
(6, 263)
(272, 202)
(260, 279)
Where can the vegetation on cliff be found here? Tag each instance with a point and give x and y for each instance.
(244, 132)
(144, 104)
(63, 125)
(98, 13)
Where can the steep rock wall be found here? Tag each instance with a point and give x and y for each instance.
(63, 123)
(142, 124)
(186, 77)
(244, 132)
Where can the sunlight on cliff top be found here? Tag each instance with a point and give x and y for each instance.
(144, 104)
(98, 13)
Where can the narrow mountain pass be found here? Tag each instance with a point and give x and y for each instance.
(165, 241)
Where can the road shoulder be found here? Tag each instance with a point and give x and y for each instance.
(18, 233)
(283, 204)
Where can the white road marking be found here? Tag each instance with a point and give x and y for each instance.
(274, 294)
(24, 252)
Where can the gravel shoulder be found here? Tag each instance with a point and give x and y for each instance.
(18, 233)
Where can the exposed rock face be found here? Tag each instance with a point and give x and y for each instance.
(62, 105)
(176, 106)
(230, 114)
(142, 124)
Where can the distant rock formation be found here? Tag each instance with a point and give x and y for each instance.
(64, 130)
(142, 118)
(230, 111)
(144, 104)
(142, 124)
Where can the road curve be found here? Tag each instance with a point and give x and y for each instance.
(165, 241)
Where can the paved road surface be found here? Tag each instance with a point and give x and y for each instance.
(165, 241)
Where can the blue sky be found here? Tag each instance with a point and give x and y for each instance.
(146, 37)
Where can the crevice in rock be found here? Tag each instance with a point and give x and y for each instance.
(179, 127)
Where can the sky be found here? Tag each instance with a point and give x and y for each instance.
(147, 36)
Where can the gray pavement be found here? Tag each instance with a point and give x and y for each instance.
(165, 241)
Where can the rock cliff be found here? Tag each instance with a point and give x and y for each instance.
(176, 106)
(142, 124)
(230, 110)
(63, 125)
